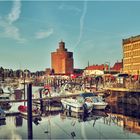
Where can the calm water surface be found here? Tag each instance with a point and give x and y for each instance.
(118, 122)
(65, 125)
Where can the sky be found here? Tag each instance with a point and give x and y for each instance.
(92, 30)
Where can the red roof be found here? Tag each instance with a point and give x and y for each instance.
(117, 66)
(97, 67)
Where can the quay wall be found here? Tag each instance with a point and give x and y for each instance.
(124, 96)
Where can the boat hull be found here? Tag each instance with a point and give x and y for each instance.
(100, 106)
(34, 116)
(71, 106)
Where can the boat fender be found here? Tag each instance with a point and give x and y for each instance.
(46, 91)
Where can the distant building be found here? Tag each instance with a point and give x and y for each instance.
(47, 71)
(96, 69)
(62, 60)
(131, 55)
(117, 67)
(77, 73)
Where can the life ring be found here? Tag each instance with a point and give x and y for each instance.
(46, 91)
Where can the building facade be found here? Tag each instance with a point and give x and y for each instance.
(96, 69)
(62, 60)
(117, 67)
(131, 55)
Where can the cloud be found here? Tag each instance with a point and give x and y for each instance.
(82, 18)
(7, 24)
(44, 34)
(11, 31)
(15, 12)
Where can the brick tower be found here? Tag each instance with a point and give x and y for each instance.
(62, 60)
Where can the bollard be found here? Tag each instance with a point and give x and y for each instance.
(29, 109)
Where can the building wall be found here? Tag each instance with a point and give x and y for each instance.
(62, 60)
(131, 55)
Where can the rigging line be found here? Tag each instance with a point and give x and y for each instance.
(98, 131)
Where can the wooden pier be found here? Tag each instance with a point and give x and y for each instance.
(123, 95)
(44, 99)
(12, 113)
(47, 98)
(122, 89)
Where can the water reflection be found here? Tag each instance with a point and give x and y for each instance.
(126, 116)
(82, 117)
(2, 122)
(113, 123)
(18, 120)
(5, 106)
(8, 130)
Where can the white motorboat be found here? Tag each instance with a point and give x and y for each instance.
(77, 105)
(97, 100)
(72, 105)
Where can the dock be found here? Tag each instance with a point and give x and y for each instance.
(122, 89)
(12, 113)
(123, 95)
(44, 99)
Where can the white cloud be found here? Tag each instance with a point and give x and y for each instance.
(9, 29)
(44, 34)
(82, 18)
(13, 32)
(15, 12)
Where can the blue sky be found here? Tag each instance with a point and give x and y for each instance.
(93, 30)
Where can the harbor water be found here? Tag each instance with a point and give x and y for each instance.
(118, 121)
(65, 125)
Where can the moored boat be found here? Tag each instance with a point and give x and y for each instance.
(77, 105)
(97, 100)
(23, 111)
